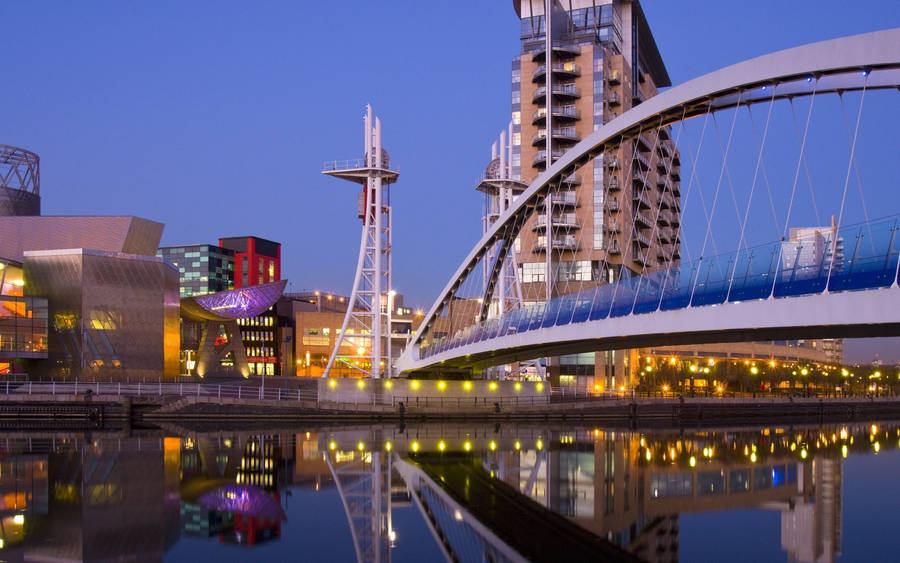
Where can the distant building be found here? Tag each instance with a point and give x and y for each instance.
(238, 262)
(256, 260)
(202, 268)
(312, 321)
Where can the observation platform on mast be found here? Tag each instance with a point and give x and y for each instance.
(359, 170)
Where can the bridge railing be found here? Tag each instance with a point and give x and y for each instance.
(863, 256)
(159, 389)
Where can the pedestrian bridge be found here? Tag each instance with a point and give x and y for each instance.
(812, 153)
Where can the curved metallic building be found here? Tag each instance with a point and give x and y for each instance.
(220, 350)
(20, 182)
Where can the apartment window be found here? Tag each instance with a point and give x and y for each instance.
(533, 272)
(517, 139)
(517, 117)
(272, 271)
(244, 271)
(261, 270)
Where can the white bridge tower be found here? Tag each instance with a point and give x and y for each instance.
(366, 331)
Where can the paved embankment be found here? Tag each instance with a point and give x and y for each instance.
(627, 411)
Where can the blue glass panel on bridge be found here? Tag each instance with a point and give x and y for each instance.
(537, 316)
(754, 273)
(677, 290)
(583, 306)
(551, 311)
(492, 328)
(566, 308)
(623, 300)
(872, 260)
(650, 292)
(525, 319)
(510, 322)
(602, 301)
(803, 268)
(713, 280)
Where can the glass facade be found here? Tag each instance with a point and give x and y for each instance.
(23, 328)
(202, 268)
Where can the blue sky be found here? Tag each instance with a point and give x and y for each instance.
(215, 117)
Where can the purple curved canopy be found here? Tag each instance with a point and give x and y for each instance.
(243, 499)
(234, 304)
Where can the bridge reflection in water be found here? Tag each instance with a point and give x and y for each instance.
(499, 493)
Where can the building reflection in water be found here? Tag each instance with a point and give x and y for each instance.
(84, 498)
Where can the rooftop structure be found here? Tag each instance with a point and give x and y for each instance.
(20, 181)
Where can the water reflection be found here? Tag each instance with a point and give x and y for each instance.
(501, 493)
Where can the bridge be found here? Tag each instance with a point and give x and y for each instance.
(784, 140)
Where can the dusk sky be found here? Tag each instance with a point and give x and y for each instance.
(215, 117)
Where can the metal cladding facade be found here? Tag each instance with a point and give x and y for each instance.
(129, 235)
(111, 315)
(20, 182)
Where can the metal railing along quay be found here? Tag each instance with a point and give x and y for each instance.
(159, 389)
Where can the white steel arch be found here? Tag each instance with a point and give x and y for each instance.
(870, 61)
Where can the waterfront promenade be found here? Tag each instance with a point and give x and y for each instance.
(151, 402)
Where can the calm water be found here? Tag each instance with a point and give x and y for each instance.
(804, 493)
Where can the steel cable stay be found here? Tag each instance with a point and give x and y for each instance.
(840, 220)
(718, 189)
(743, 223)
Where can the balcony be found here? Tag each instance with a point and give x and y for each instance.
(641, 239)
(643, 143)
(560, 113)
(611, 162)
(641, 221)
(642, 160)
(613, 247)
(613, 228)
(662, 167)
(663, 150)
(640, 199)
(613, 206)
(614, 77)
(567, 243)
(640, 257)
(613, 184)
(540, 159)
(664, 237)
(560, 49)
(640, 179)
(613, 99)
(560, 222)
(562, 199)
(563, 134)
(572, 180)
(567, 69)
(564, 91)
(664, 218)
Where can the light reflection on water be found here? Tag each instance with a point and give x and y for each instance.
(464, 491)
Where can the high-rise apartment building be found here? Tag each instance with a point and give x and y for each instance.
(617, 215)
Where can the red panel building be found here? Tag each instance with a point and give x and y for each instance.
(256, 260)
